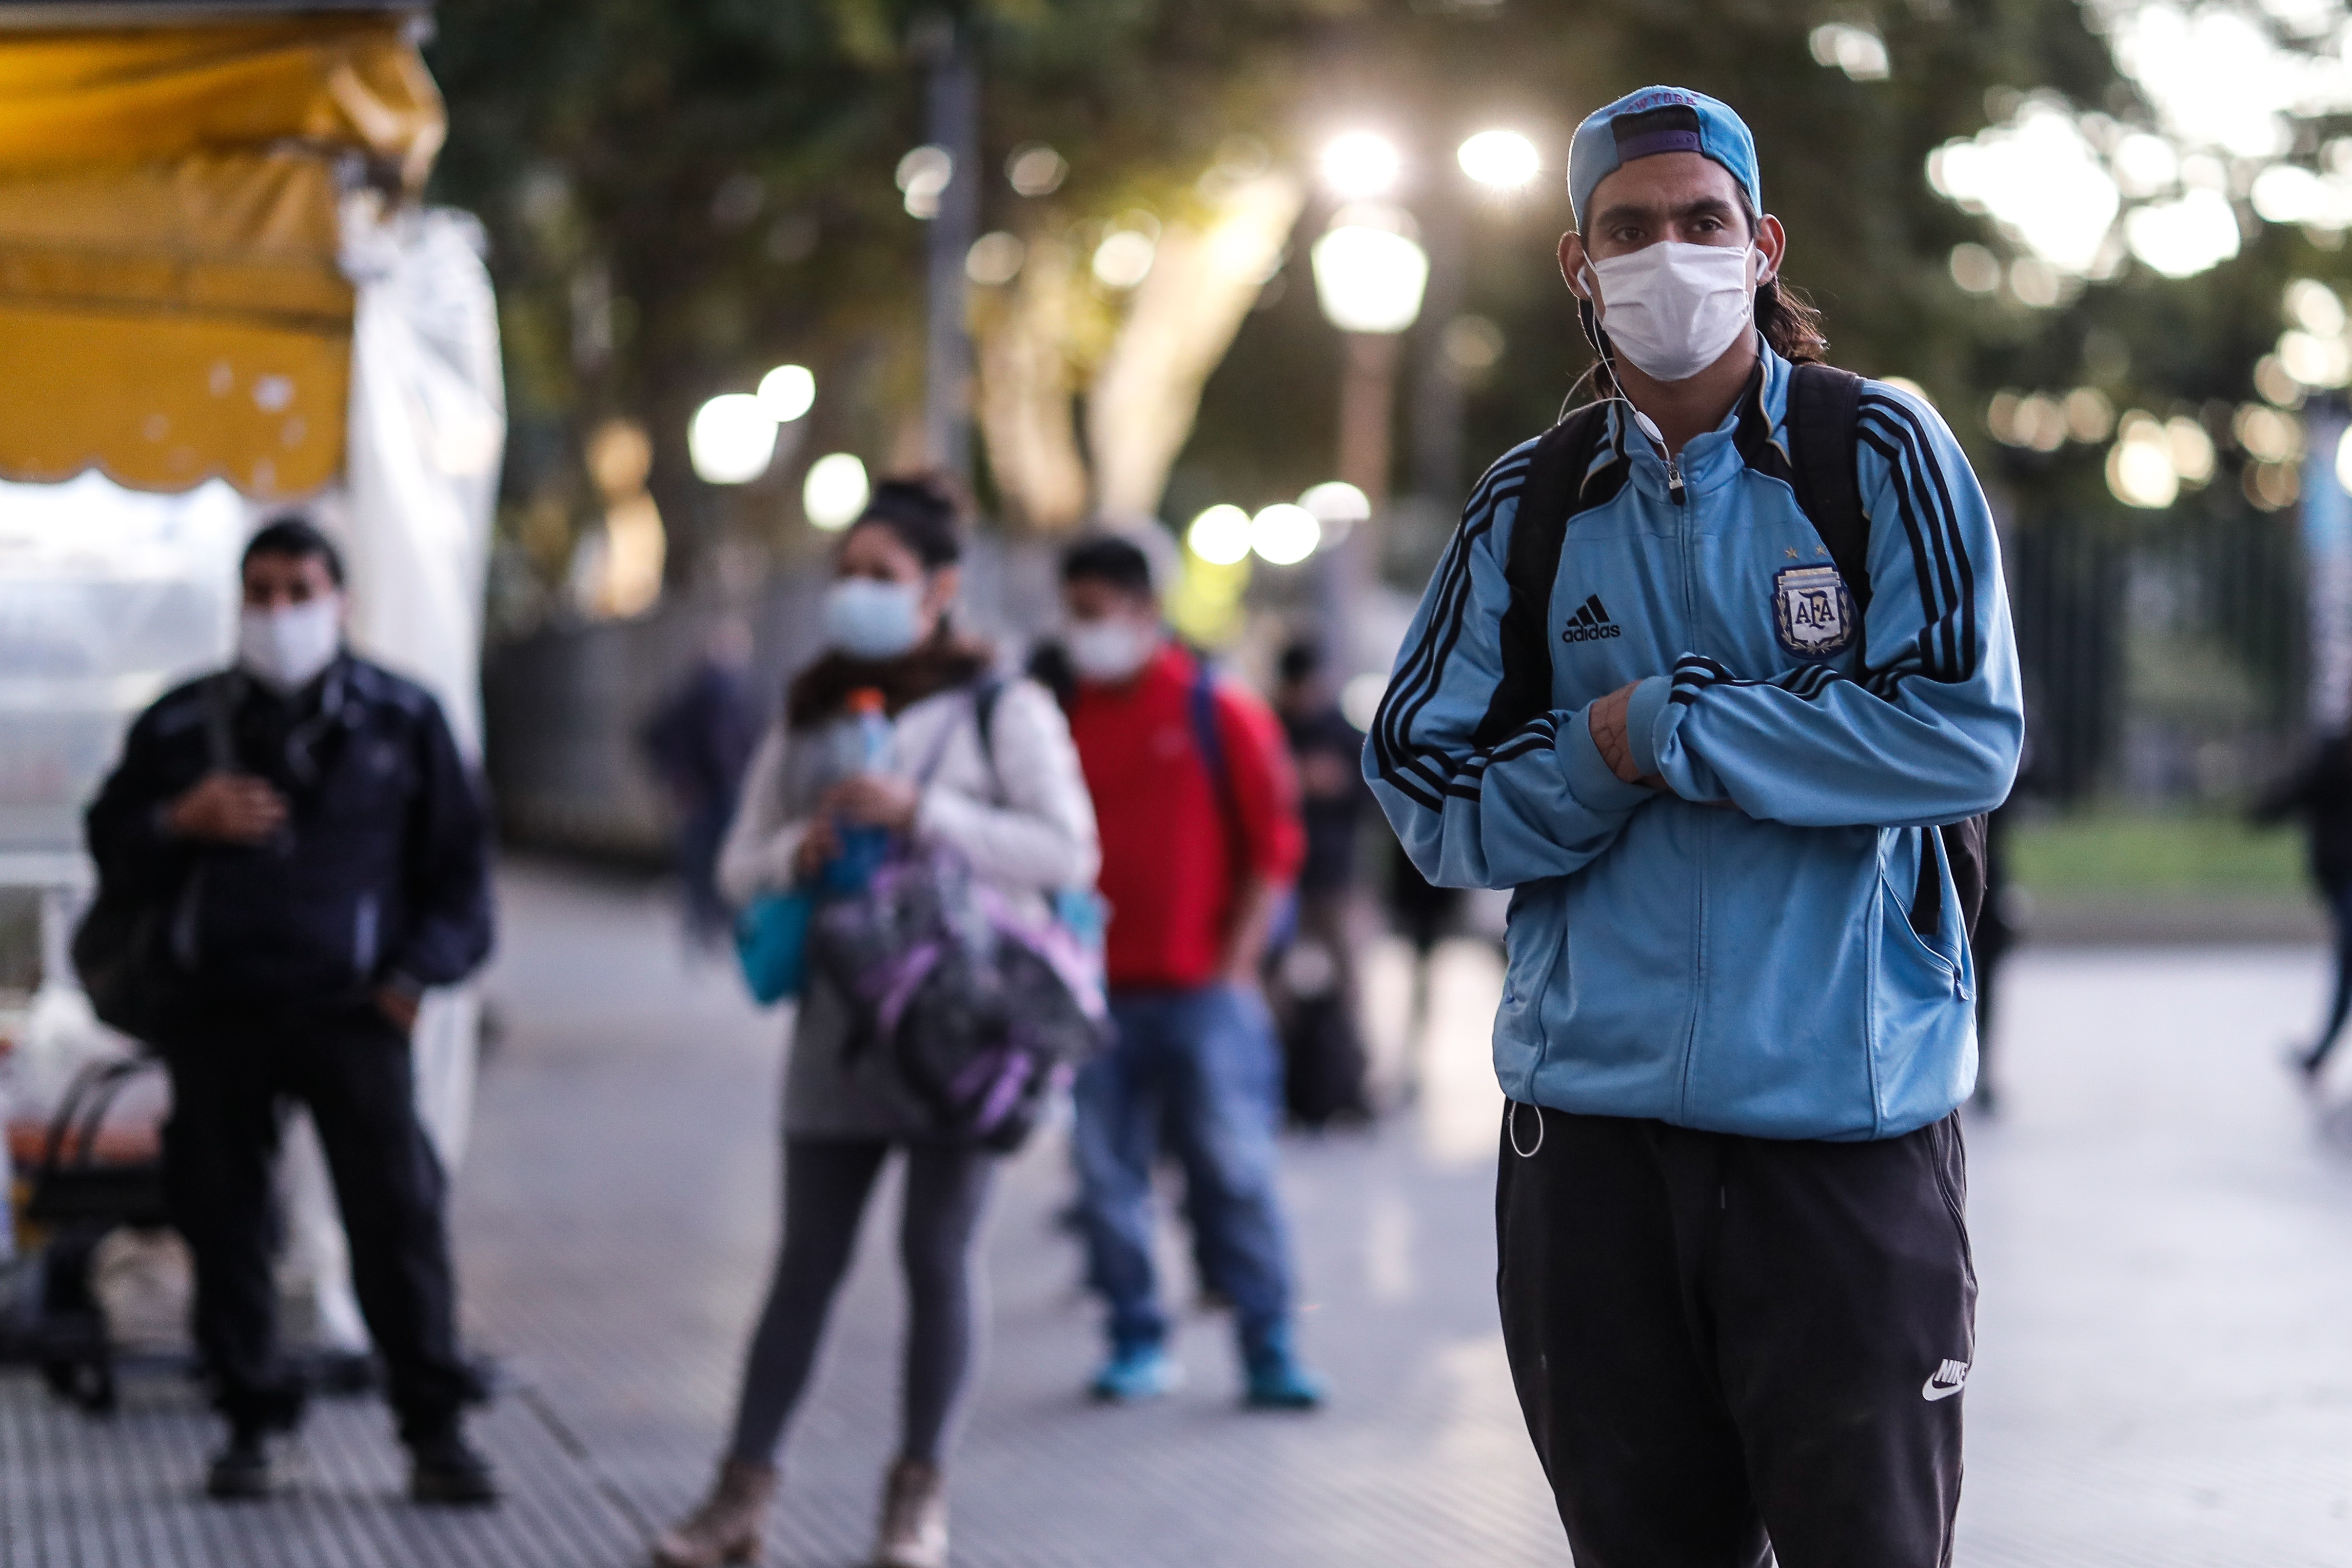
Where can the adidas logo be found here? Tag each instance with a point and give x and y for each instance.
(1591, 623)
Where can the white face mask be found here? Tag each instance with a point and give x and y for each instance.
(1672, 308)
(288, 648)
(1109, 650)
(870, 620)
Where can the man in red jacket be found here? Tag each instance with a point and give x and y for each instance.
(1201, 842)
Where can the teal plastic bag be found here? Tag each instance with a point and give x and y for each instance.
(772, 944)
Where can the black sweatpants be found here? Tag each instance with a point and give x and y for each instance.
(1727, 1347)
(229, 1085)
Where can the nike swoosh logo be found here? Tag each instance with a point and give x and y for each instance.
(1934, 1390)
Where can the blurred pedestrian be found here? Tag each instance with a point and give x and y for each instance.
(1013, 803)
(698, 740)
(1651, 689)
(1200, 844)
(304, 830)
(2319, 791)
(1315, 971)
(1425, 914)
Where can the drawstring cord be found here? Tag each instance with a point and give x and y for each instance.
(1511, 1130)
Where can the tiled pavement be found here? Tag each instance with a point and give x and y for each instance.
(2164, 1375)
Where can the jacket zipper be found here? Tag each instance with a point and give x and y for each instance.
(1687, 531)
(1649, 428)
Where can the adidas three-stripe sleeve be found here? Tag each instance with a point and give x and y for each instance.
(1928, 728)
(1536, 802)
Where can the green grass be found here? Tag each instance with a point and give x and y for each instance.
(2115, 853)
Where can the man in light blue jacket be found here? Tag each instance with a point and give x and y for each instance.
(1715, 675)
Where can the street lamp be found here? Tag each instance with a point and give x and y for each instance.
(1361, 166)
(1498, 159)
(1369, 273)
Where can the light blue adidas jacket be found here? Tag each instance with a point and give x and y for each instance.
(1737, 956)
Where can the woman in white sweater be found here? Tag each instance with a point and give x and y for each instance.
(1016, 806)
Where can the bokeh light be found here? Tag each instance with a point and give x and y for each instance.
(2267, 435)
(787, 392)
(2040, 179)
(2090, 415)
(2140, 469)
(1499, 160)
(1976, 269)
(2191, 449)
(835, 491)
(1857, 51)
(1338, 505)
(1034, 169)
(2183, 238)
(994, 258)
(923, 175)
(731, 439)
(1361, 166)
(1124, 259)
(1220, 536)
(1284, 534)
(2313, 306)
(1369, 277)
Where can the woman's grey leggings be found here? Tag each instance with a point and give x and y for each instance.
(826, 1183)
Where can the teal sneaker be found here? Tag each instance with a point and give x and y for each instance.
(1276, 1381)
(1136, 1373)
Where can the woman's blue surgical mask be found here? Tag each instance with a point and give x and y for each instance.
(870, 620)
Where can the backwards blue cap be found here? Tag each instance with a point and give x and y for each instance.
(1660, 120)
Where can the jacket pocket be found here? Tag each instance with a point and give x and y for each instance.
(1922, 1023)
(1535, 947)
(1905, 955)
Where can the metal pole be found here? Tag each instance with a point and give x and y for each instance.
(954, 106)
(1439, 402)
(1368, 380)
(1367, 410)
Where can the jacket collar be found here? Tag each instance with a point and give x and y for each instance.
(1750, 435)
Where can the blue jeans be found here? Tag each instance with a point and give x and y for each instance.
(1201, 1067)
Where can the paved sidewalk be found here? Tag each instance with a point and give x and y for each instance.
(2164, 1374)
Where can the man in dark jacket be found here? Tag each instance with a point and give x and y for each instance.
(319, 854)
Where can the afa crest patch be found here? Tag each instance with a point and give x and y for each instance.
(1812, 613)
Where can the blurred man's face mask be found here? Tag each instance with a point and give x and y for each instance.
(288, 647)
(1672, 308)
(1110, 649)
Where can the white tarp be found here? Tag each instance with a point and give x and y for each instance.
(421, 476)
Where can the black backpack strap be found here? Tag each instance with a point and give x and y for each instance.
(1552, 492)
(1201, 705)
(985, 692)
(1824, 442)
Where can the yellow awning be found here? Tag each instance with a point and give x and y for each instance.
(171, 307)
